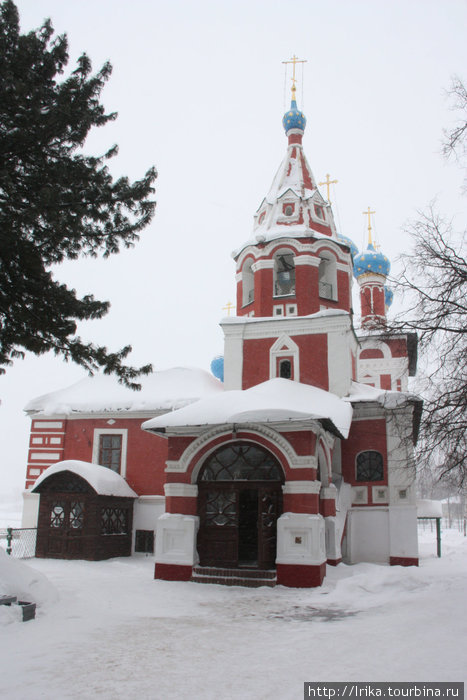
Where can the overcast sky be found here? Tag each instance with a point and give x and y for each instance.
(200, 92)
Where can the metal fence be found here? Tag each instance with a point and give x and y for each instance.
(19, 542)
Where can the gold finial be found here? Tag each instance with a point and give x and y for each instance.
(229, 306)
(328, 182)
(368, 214)
(294, 60)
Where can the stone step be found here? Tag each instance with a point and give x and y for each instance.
(250, 578)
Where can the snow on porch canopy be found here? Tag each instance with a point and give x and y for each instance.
(104, 481)
(275, 401)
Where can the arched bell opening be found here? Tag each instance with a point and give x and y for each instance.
(239, 501)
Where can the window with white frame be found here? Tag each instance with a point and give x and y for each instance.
(284, 359)
(110, 449)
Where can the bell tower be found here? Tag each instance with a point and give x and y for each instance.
(371, 268)
(294, 280)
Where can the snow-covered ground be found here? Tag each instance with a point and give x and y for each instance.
(109, 630)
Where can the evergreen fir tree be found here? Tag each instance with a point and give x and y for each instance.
(56, 203)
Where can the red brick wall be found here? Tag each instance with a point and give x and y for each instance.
(146, 453)
(364, 435)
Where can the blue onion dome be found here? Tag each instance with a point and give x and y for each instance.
(217, 367)
(294, 119)
(371, 261)
(388, 296)
(350, 243)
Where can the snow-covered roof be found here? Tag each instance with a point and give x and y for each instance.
(277, 400)
(104, 481)
(164, 390)
(360, 393)
(274, 233)
(429, 509)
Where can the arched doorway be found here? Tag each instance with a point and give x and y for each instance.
(239, 501)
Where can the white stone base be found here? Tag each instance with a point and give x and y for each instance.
(301, 539)
(380, 534)
(176, 539)
(147, 510)
(30, 509)
(367, 535)
(333, 539)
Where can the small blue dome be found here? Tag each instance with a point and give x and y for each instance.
(388, 296)
(371, 261)
(350, 243)
(217, 367)
(294, 119)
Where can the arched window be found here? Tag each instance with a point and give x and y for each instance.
(327, 274)
(370, 466)
(241, 461)
(248, 282)
(284, 273)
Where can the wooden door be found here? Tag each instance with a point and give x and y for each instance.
(270, 508)
(218, 532)
(64, 528)
(238, 524)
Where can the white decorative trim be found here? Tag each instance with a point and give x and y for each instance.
(45, 455)
(111, 431)
(301, 248)
(372, 278)
(176, 539)
(152, 499)
(301, 539)
(47, 425)
(328, 493)
(307, 260)
(359, 495)
(263, 265)
(291, 350)
(269, 327)
(301, 487)
(294, 461)
(173, 466)
(379, 494)
(181, 490)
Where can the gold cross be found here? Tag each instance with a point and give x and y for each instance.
(368, 214)
(294, 60)
(328, 182)
(228, 307)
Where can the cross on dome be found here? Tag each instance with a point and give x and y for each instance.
(294, 118)
(328, 182)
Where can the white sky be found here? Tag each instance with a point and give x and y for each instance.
(199, 88)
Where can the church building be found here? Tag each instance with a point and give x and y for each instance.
(301, 457)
